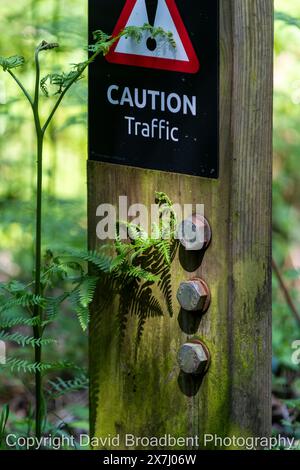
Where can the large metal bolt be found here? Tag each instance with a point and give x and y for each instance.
(194, 295)
(194, 233)
(193, 357)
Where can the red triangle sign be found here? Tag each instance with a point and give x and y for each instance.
(149, 53)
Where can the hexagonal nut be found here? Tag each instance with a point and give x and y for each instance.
(194, 295)
(193, 358)
(194, 233)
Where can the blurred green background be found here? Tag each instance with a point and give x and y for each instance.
(25, 23)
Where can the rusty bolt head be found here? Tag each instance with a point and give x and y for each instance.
(194, 295)
(193, 357)
(194, 233)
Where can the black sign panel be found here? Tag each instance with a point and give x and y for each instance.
(153, 104)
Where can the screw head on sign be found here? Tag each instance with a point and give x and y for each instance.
(193, 357)
(194, 295)
(194, 233)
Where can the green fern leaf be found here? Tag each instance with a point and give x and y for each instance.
(7, 322)
(86, 290)
(25, 300)
(8, 63)
(61, 387)
(53, 304)
(140, 273)
(60, 80)
(15, 287)
(20, 365)
(54, 273)
(98, 259)
(82, 312)
(83, 315)
(25, 340)
(164, 249)
(118, 261)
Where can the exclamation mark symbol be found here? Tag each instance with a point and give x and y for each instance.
(151, 6)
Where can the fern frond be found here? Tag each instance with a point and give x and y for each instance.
(118, 261)
(67, 265)
(83, 315)
(52, 305)
(61, 387)
(25, 300)
(20, 365)
(137, 272)
(288, 19)
(101, 36)
(8, 63)
(86, 290)
(53, 273)
(155, 232)
(162, 198)
(6, 322)
(136, 33)
(59, 80)
(25, 340)
(164, 248)
(14, 287)
(98, 259)
(103, 42)
(82, 312)
(46, 46)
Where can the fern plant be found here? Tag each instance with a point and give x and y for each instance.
(3, 421)
(36, 302)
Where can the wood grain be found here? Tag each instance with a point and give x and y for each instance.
(147, 396)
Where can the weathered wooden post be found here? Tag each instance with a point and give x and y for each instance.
(145, 396)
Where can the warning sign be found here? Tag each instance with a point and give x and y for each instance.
(153, 105)
(149, 52)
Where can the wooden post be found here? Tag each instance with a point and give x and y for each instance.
(143, 397)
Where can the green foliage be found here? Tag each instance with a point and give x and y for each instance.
(11, 62)
(82, 311)
(59, 387)
(21, 365)
(23, 340)
(26, 299)
(160, 33)
(99, 259)
(86, 290)
(295, 404)
(103, 41)
(58, 80)
(7, 322)
(287, 19)
(47, 46)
